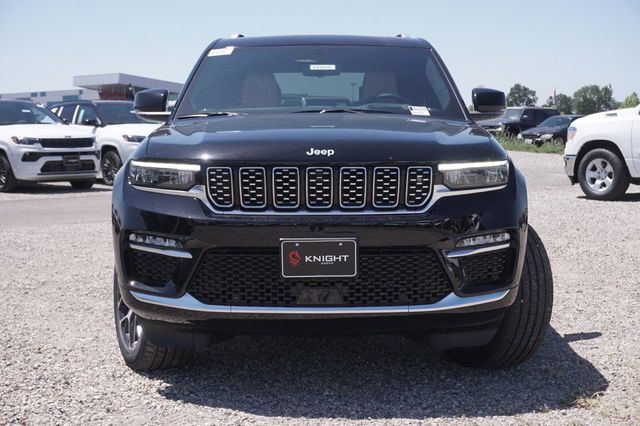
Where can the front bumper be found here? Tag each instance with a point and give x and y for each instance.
(46, 165)
(189, 220)
(569, 167)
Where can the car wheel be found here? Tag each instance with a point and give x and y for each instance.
(110, 165)
(525, 322)
(137, 351)
(82, 183)
(8, 181)
(602, 175)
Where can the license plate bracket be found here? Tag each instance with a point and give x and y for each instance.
(319, 258)
(71, 161)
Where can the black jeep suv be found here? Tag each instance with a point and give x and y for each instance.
(518, 119)
(320, 185)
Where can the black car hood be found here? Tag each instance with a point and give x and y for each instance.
(353, 137)
(543, 130)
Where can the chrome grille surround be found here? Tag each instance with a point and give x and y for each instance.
(416, 192)
(253, 187)
(220, 186)
(285, 186)
(353, 187)
(386, 187)
(319, 187)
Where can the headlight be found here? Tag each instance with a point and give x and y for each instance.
(546, 137)
(163, 175)
(24, 141)
(571, 133)
(133, 138)
(475, 175)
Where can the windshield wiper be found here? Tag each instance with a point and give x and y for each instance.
(211, 114)
(349, 110)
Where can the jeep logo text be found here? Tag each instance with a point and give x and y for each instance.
(326, 152)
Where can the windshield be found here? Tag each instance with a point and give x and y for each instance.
(314, 78)
(557, 121)
(513, 113)
(117, 113)
(25, 113)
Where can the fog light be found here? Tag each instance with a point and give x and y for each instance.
(152, 240)
(481, 240)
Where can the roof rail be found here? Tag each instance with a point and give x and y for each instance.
(236, 35)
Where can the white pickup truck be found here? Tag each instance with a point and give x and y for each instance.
(602, 153)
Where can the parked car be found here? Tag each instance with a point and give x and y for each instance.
(518, 119)
(117, 129)
(369, 202)
(36, 146)
(553, 128)
(602, 153)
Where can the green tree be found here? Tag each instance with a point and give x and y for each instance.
(631, 101)
(563, 103)
(590, 99)
(521, 95)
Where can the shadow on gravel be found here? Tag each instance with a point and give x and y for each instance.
(376, 378)
(629, 198)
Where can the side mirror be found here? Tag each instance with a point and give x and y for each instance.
(91, 122)
(151, 104)
(488, 100)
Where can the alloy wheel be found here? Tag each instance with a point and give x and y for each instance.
(599, 175)
(129, 331)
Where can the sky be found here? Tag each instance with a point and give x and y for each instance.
(562, 44)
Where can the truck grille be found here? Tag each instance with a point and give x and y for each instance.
(66, 143)
(387, 277)
(320, 189)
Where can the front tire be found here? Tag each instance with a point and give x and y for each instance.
(138, 352)
(525, 322)
(8, 182)
(110, 164)
(82, 184)
(603, 175)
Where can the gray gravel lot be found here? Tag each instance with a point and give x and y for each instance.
(60, 362)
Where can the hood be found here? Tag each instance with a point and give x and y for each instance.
(352, 137)
(543, 130)
(608, 116)
(45, 131)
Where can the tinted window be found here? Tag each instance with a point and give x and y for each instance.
(291, 78)
(67, 112)
(85, 112)
(25, 113)
(513, 113)
(117, 113)
(556, 121)
(539, 116)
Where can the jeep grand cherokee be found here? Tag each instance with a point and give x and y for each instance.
(322, 185)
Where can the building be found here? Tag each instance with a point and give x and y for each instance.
(98, 86)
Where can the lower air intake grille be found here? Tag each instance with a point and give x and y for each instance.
(150, 269)
(387, 277)
(487, 268)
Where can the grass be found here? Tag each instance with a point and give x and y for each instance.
(555, 146)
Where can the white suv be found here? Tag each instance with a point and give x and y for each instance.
(117, 129)
(603, 153)
(35, 145)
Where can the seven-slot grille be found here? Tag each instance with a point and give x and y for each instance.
(321, 189)
(66, 142)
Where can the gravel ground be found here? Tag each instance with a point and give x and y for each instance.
(60, 361)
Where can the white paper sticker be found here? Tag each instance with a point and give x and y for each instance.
(222, 51)
(418, 110)
(322, 67)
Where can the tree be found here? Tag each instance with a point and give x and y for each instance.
(563, 103)
(590, 99)
(631, 101)
(521, 95)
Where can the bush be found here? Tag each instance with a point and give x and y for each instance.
(554, 146)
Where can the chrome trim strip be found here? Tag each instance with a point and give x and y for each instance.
(364, 202)
(273, 187)
(166, 252)
(230, 183)
(373, 194)
(406, 192)
(198, 192)
(306, 188)
(451, 302)
(470, 251)
(264, 187)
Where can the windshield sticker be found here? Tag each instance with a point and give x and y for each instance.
(418, 110)
(224, 51)
(322, 67)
